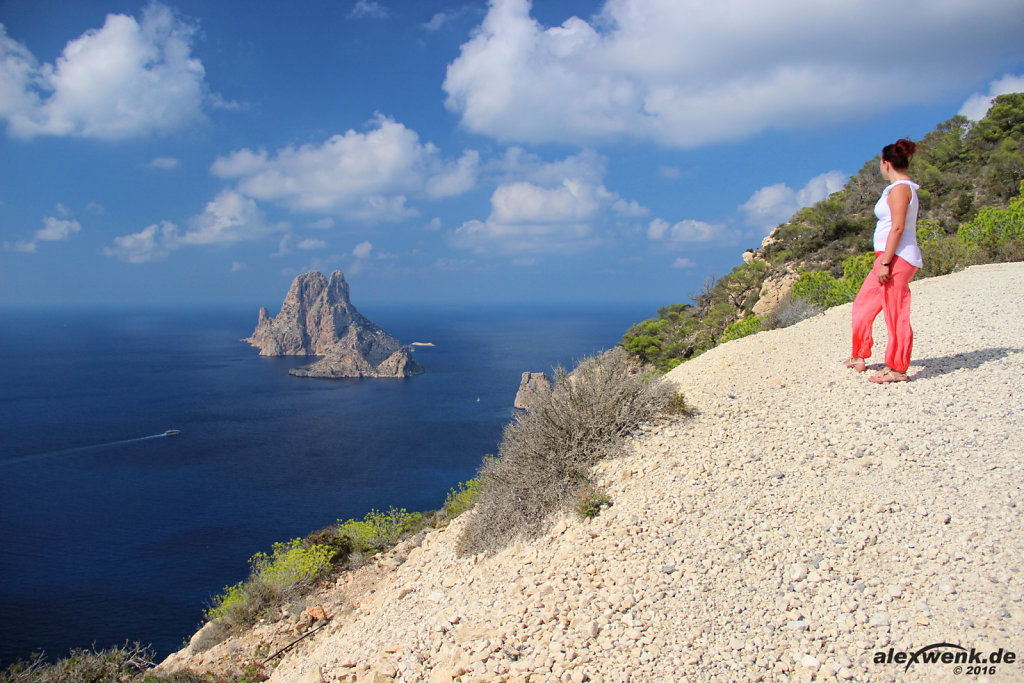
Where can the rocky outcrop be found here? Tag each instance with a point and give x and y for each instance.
(532, 385)
(318, 319)
(774, 291)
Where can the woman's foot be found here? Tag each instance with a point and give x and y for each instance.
(889, 375)
(855, 363)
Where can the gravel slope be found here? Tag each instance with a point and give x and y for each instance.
(804, 520)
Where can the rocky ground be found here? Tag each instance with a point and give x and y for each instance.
(805, 520)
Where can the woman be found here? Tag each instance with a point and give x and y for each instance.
(897, 258)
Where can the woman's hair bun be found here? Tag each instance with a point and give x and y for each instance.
(906, 147)
(899, 153)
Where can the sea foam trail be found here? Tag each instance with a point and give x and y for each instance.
(79, 449)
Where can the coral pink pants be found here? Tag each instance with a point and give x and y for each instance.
(894, 298)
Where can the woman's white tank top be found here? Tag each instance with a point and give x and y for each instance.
(907, 249)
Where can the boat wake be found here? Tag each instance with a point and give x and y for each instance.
(85, 449)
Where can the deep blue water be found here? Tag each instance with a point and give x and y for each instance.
(106, 535)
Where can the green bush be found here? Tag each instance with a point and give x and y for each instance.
(546, 454)
(928, 230)
(993, 226)
(291, 569)
(820, 288)
(677, 405)
(591, 500)
(378, 531)
(947, 254)
(460, 499)
(742, 328)
(292, 564)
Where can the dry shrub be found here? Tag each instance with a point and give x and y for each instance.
(546, 453)
(791, 311)
(122, 664)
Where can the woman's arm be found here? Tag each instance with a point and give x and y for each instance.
(899, 202)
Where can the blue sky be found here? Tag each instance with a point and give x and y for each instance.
(465, 152)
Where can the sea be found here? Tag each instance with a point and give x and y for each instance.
(111, 531)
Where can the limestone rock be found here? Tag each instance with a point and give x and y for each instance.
(318, 319)
(774, 291)
(531, 386)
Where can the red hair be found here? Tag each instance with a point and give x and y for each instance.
(899, 153)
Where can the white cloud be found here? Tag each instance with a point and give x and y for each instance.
(369, 9)
(53, 230)
(164, 163)
(684, 262)
(630, 209)
(669, 172)
(362, 250)
(152, 243)
(364, 176)
(519, 203)
(238, 266)
(686, 74)
(24, 246)
(228, 218)
(686, 231)
(446, 17)
(977, 105)
(127, 79)
(775, 204)
(517, 164)
(541, 206)
(456, 178)
(310, 244)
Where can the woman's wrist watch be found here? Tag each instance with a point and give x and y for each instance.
(887, 264)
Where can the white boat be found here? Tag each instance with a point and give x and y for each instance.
(172, 432)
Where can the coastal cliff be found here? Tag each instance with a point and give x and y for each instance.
(803, 521)
(317, 318)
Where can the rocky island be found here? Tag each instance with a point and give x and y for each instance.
(318, 319)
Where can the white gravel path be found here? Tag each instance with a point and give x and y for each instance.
(803, 521)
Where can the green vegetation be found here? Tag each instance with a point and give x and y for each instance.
(129, 663)
(971, 212)
(742, 328)
(378, 531)
(821, 288)
(290, 570)
(545, 455)
(460, 499)
(591, 500)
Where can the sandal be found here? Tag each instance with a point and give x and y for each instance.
(855, 363)
(888, 375)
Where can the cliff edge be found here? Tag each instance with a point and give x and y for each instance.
(317, 318)
(803, 524)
